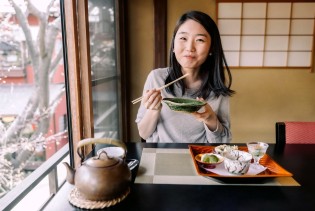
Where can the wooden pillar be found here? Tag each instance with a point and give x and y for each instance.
(160, 32)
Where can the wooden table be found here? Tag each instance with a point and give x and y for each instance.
(298, 159)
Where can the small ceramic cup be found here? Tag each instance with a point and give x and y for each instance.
(237, 162)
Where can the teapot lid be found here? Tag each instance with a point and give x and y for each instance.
(102, 160)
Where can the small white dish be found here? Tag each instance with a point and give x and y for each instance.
(113, 152)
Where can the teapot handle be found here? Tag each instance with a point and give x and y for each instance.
(99, 141)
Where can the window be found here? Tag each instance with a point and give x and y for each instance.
(32, 90)
(96, 70)
(267, 34)
(103, 73)
(104, 69)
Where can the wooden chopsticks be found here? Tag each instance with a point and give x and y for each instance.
(160, 88)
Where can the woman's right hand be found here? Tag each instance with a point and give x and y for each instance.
(152, 99)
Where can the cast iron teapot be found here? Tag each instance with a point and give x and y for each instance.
(101, 177)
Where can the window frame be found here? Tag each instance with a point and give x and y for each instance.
(264, 51)
(79, 74)
(79, 103)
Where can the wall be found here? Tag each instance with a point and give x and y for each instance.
(141, 40)
(264, 96)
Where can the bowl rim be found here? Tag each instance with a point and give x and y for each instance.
(191, 103)
(241, 151)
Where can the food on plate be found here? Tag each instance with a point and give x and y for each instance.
(222, 149)
(209, 158)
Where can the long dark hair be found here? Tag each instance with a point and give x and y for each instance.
(212, 70)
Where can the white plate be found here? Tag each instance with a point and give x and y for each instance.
(220, 170)
(113, 151)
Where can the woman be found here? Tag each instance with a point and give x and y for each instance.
(196, 49)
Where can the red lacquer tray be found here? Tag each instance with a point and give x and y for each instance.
(273, 169)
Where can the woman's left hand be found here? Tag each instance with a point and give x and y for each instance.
(208, 116)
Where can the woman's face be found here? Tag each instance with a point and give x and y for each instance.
(191, 45)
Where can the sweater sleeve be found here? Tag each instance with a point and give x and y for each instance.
(223, 132)
(142, 109)
(155, 79)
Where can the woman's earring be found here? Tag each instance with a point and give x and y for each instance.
(210, 54)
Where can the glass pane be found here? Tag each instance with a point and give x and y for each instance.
(41, 191)
(105, 110)
(104, 68)
(33, 114)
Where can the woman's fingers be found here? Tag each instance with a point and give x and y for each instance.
(156, 104)
(152, 99)
(153, 96)
(206, 114)
(147, 95)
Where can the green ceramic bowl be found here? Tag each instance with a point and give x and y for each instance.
(183, 104)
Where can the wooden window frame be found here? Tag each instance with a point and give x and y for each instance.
(286, 66)
(79, 75)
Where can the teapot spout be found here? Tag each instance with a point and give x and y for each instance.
(70, 173)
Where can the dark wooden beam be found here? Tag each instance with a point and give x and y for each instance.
(122, 61)
(160, 33)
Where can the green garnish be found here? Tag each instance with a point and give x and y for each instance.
(209, 158)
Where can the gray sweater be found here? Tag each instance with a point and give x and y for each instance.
(179, 127)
